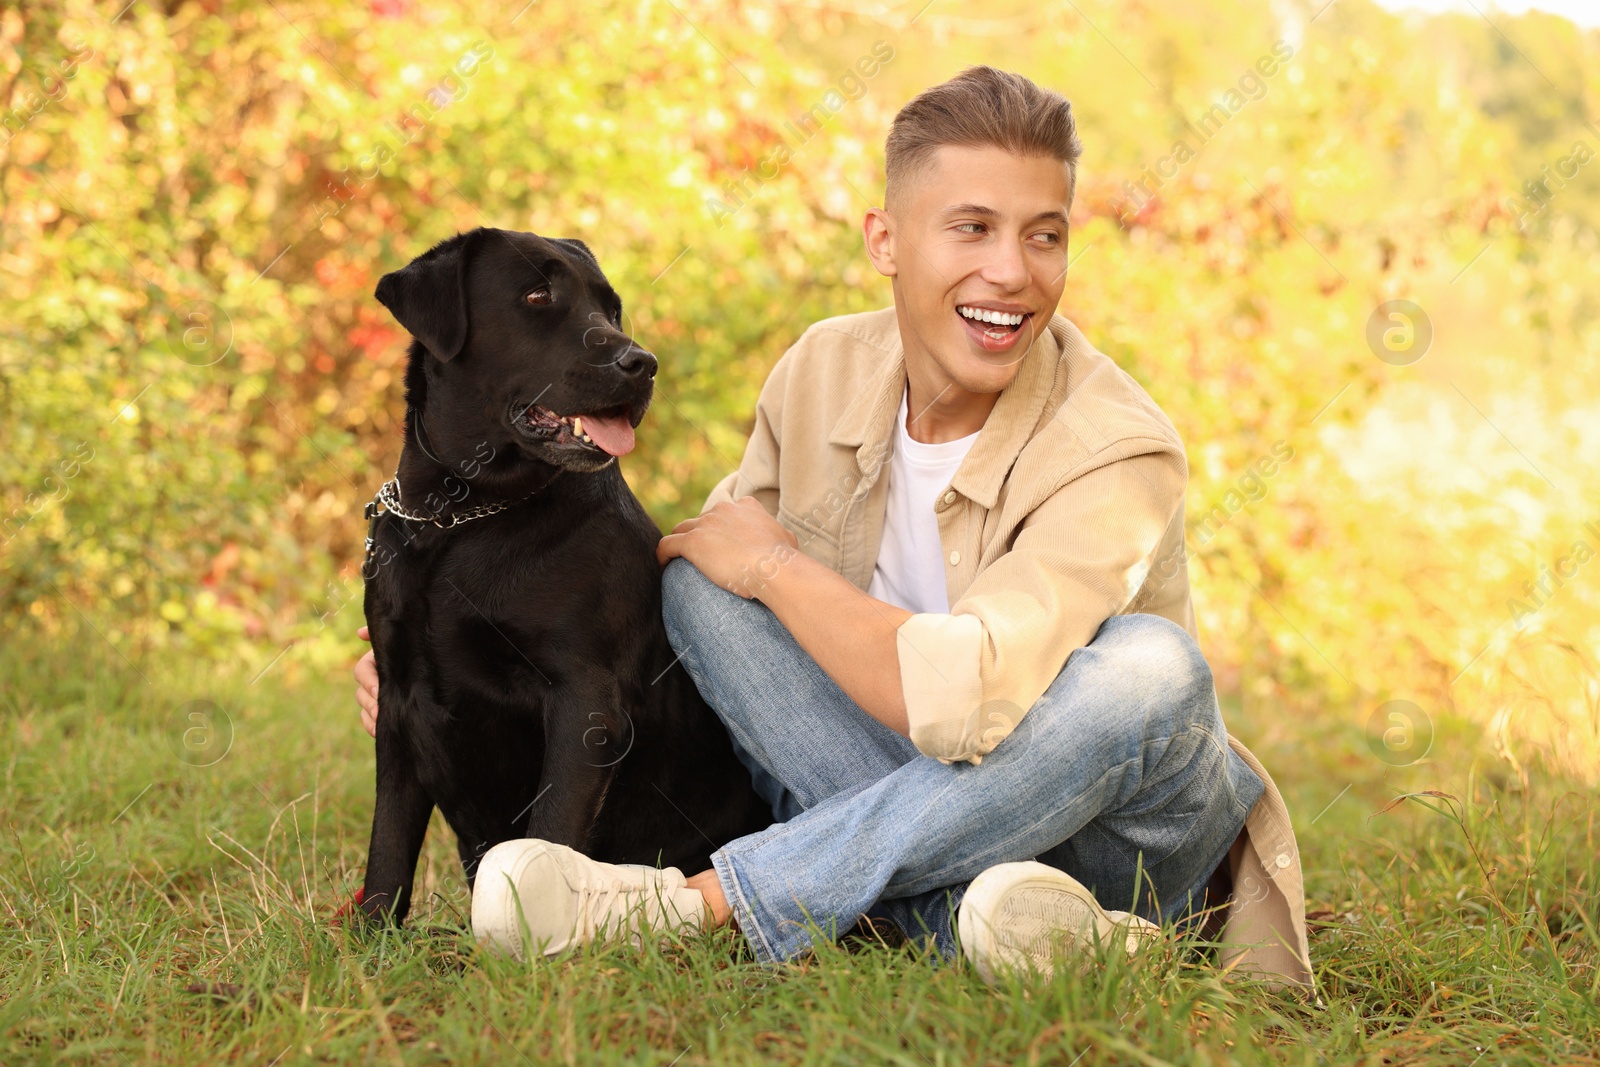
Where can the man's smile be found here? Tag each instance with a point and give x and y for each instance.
(994, 326)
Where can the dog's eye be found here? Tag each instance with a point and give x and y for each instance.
(538, 296)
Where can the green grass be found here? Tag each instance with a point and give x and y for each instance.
(1451, 931)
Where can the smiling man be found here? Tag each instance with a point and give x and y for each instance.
(943, 609)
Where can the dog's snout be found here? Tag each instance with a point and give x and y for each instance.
(637, 361)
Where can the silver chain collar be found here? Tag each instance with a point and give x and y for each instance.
(388, 501)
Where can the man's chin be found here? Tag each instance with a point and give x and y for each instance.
(971, 369)
(983, 372)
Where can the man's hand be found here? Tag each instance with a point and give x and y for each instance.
(852, 636)
(367, 685)
(736, 544)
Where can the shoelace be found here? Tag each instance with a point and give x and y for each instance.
(596, 899)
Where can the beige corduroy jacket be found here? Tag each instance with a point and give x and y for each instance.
(1067, 510)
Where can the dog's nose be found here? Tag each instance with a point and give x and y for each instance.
(637, 361)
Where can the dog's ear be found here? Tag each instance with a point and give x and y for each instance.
(429, 295)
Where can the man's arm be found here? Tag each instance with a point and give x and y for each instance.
(957, 684)
(851, 635)
(742, 547)
(1081, 556)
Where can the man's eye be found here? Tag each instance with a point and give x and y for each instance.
(976, 226)
(538, 296)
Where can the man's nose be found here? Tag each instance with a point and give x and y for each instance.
(1007, 266)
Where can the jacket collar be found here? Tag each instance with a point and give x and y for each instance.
(868, 423)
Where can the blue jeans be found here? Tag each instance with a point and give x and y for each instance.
(1120, 775)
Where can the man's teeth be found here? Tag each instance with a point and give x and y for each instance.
(998, 318)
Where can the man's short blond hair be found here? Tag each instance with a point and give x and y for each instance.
(981, 108)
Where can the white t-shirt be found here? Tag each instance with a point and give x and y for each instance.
(910, 568)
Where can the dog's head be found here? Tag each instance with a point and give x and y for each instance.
(519, 342)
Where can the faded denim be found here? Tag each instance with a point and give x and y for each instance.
(1120, 775)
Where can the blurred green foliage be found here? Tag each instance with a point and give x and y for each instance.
(196, 200)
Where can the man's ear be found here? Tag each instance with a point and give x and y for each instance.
(878, 234)
(429, 295)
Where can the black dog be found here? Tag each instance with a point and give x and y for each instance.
(513, 594)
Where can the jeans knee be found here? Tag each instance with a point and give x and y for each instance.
(692, 605)
(1163, 667)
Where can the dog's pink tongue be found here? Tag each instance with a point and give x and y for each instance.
(611, 432)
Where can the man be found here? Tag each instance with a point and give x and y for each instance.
(943, 609)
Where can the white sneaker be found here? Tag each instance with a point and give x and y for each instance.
(556, 897)
(1021, 916)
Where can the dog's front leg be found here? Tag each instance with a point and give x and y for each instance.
(586, 734)
(399, 823)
